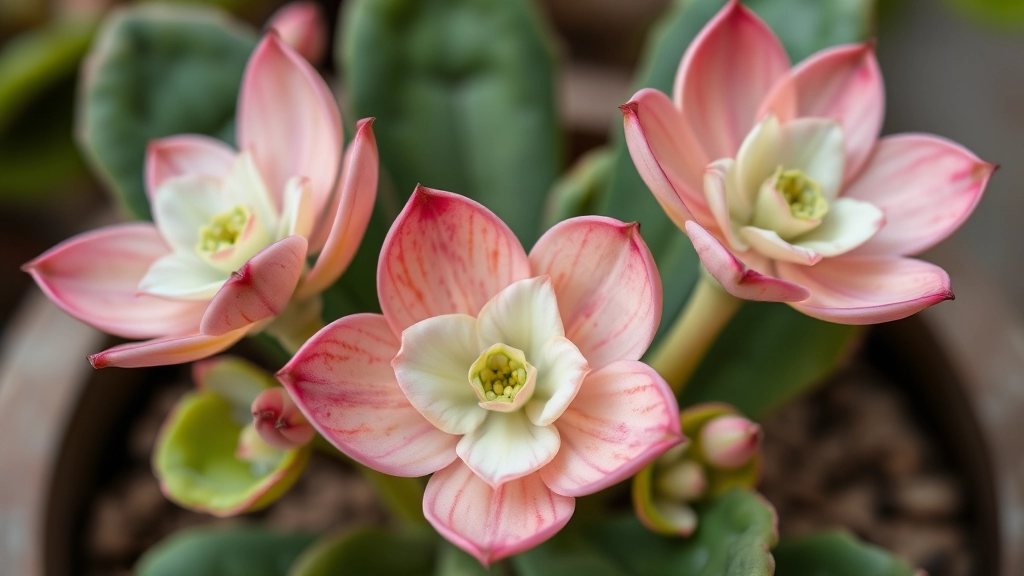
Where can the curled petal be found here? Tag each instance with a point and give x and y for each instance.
(724, 75)
(868, 289)
(279, 422)
(721, 190)
(607, 285)
(342, 381)
(341, 229)
(736, 278)
(260, 289)
(843, 83)
(624, 416)
(848, 224)
(560, 373)
(95, 278)
(301, 26)
(769, 244)
(297, 216)
(185, 154)
(493, 523)
(165, 351)
(524, 315)
(926, 187)
(507, 446)
(445, 254)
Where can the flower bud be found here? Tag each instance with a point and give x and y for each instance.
(301, 26)
(278, 420)
(682, 481)
(730, 441)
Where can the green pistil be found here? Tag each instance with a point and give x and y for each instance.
(223, 230)
(803, 194)
(503, 377)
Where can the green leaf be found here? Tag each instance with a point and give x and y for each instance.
(998, 13)
(370, 551)
(836, 554)
(736, 530)
(464, 93)
(156, 71)
(234, 552)
(579, 190)
(454, 562)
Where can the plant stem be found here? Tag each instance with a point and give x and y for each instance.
(706, 313)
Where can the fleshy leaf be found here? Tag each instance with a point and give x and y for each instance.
(579, 190)
(836, 554)
(218, 552)
(369, 551)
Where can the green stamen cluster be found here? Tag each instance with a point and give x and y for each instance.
(223, 230)
(502, 378)
(804, 196)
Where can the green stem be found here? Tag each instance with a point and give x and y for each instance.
(706, 313)
(403, 497)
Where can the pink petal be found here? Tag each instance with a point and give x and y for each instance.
(95, 277)
(301, 26)
(279, 422)
(445, 254)
(342, 381)
(624, 416)
(341, 229)
(666, 154)
(165, 351)
(926, 186)
(607, 285)
(723, 77)
(290, 122)
(185, 154)
(260, 289)
(868, 289)
(843, 83)
(489, 523)
(736, 278)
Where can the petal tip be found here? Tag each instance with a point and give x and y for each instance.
(631, 108)
(98, 360)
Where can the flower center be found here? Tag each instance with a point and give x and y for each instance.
(803, 194)
(223, 230)
(502, 378)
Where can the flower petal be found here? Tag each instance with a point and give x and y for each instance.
(814, 145)
(184, 204)
(720, 188)
(666, 154)
(297, 216)
(756, 160)
(606, 283)
(432, 368)
(524, 315)
(182, 276)
(869, 289)
(926, 186)
(726, 72)
(342, 381)
(301, 26)
(289, 120)
(165, 351)
(341, 228)
(561, 369)
(95, 277)
(848, 224)
(185, 154)
(843, 83)
(507, 446)
(768, 243)
(736, 278)
(260, 289)
(244, 185)
(624, 416)
(490, 523)
(445, 254)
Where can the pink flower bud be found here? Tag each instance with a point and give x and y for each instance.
(278, 420)
(730, 441)
(301, 26)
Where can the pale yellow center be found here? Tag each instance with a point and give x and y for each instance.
(500, 373)
(803, 194)
(223, 230)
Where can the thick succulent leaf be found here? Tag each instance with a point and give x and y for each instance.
(467, 90)
(155, 71)
(578, 191)
(369, 551)
(195, 460)
(219, 552)
(452, 561)
(836, 554)
(735, 533)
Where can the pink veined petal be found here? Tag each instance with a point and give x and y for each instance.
(490, 523)
(926, 186)
(260, 289)
(95, 277)
(301, 26)
(607, 285)
(290, 122)
(868, 289)
(723, 77)
(342, 381)
(507, 446)
(340, 230)
(165, 351)
(279, 422)
(735, 277)
(666, 154)
(185, 154)
(624, 416)
(445, 254)
(843, 83)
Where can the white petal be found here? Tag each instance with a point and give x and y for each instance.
(757, 159)
(769, 244)
(772, 212)
(184, 204)
(507, 446)
(297, 217)
(524, 315)
(815, 145)
(561, 369)
(244, 185)
(432, 368)
(848, 224)
(720, 187)
(182, 275)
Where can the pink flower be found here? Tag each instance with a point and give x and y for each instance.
(514, 379)
(782, 184)
(227, 251)
(301, 26)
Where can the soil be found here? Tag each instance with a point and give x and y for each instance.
(852, 455)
